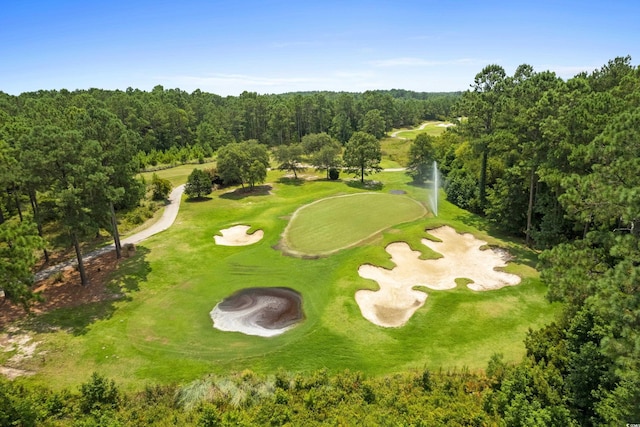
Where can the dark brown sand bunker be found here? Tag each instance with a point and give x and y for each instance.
(259, 311)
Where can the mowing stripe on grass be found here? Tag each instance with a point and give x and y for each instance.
(329, 225)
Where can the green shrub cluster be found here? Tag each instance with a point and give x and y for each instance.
(246, 399)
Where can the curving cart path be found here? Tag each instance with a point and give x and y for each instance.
(166, 220)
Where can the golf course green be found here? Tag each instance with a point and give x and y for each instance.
(157, 329)
(328, 225)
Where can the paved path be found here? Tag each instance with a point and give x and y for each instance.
(168, 217)
(395, 134)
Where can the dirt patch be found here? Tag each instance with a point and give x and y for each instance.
(238, 236)
(259, 311)
(64, 290)
(397, 300)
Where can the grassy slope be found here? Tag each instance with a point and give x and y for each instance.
(396, 150)
(163, 333)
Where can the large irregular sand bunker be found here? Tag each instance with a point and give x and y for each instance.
(237, 236)
(259, 311)
(396, 300)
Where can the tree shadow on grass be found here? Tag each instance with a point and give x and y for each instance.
(77, 307)
(516, 245)
(241, 193)
(198, 199)
(366, 185)
(291, 181)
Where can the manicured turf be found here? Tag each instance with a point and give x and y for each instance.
(161, 331)
(335, 223)
(177, 175)
(431, 128)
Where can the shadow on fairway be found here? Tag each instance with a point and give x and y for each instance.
(198, 199)
(291, 181)
(367, 185)
(518, 250)
(77, 319)
(241, 193)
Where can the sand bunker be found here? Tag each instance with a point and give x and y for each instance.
(396, 301)
(237, 236)
(259, 311)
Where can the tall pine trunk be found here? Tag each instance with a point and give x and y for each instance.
(76, 245)
(17, 200)
(532, 186)
(116, 234)
(36, 216)
(483, 179)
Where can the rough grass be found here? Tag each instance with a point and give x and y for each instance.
(177, 175)
(161, 332)
(430, 128)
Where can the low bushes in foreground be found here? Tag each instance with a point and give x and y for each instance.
(317, 398)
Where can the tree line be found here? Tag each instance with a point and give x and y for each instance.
(72, 157)
(558, 163)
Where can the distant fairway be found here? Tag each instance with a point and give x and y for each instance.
(331, 224)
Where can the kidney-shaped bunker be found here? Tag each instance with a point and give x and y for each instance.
(259, 311)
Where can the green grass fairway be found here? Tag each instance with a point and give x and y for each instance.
(335, 223)
(159, 330)
(434, 128)
(177, 175)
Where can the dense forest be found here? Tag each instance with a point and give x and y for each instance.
(550, 161)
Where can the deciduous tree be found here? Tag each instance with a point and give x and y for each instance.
(362, 154)
(198, 184)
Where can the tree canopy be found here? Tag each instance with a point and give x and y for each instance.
(362, 154)
(198, 184)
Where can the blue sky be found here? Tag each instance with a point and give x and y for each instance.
(276, 46)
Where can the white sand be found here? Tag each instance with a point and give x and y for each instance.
(247, 320)
(396, 301)
(237, 236)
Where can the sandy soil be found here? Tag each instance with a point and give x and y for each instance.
(264, 312)
(237, 236)
(57, 292)
(166, 220)
(396, 300)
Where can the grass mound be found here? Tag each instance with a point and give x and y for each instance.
(335, 223)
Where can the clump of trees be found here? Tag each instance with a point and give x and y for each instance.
(557, 163)
(243, 163)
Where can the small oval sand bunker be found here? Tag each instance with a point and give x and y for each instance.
(396, 300)
(259, 311)
(238, 236)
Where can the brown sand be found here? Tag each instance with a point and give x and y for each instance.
(259, 311)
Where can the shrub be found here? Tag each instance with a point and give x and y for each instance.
(98, 394)
(160, 187)
(334, 174)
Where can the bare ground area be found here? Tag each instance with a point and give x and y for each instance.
(64, 290)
